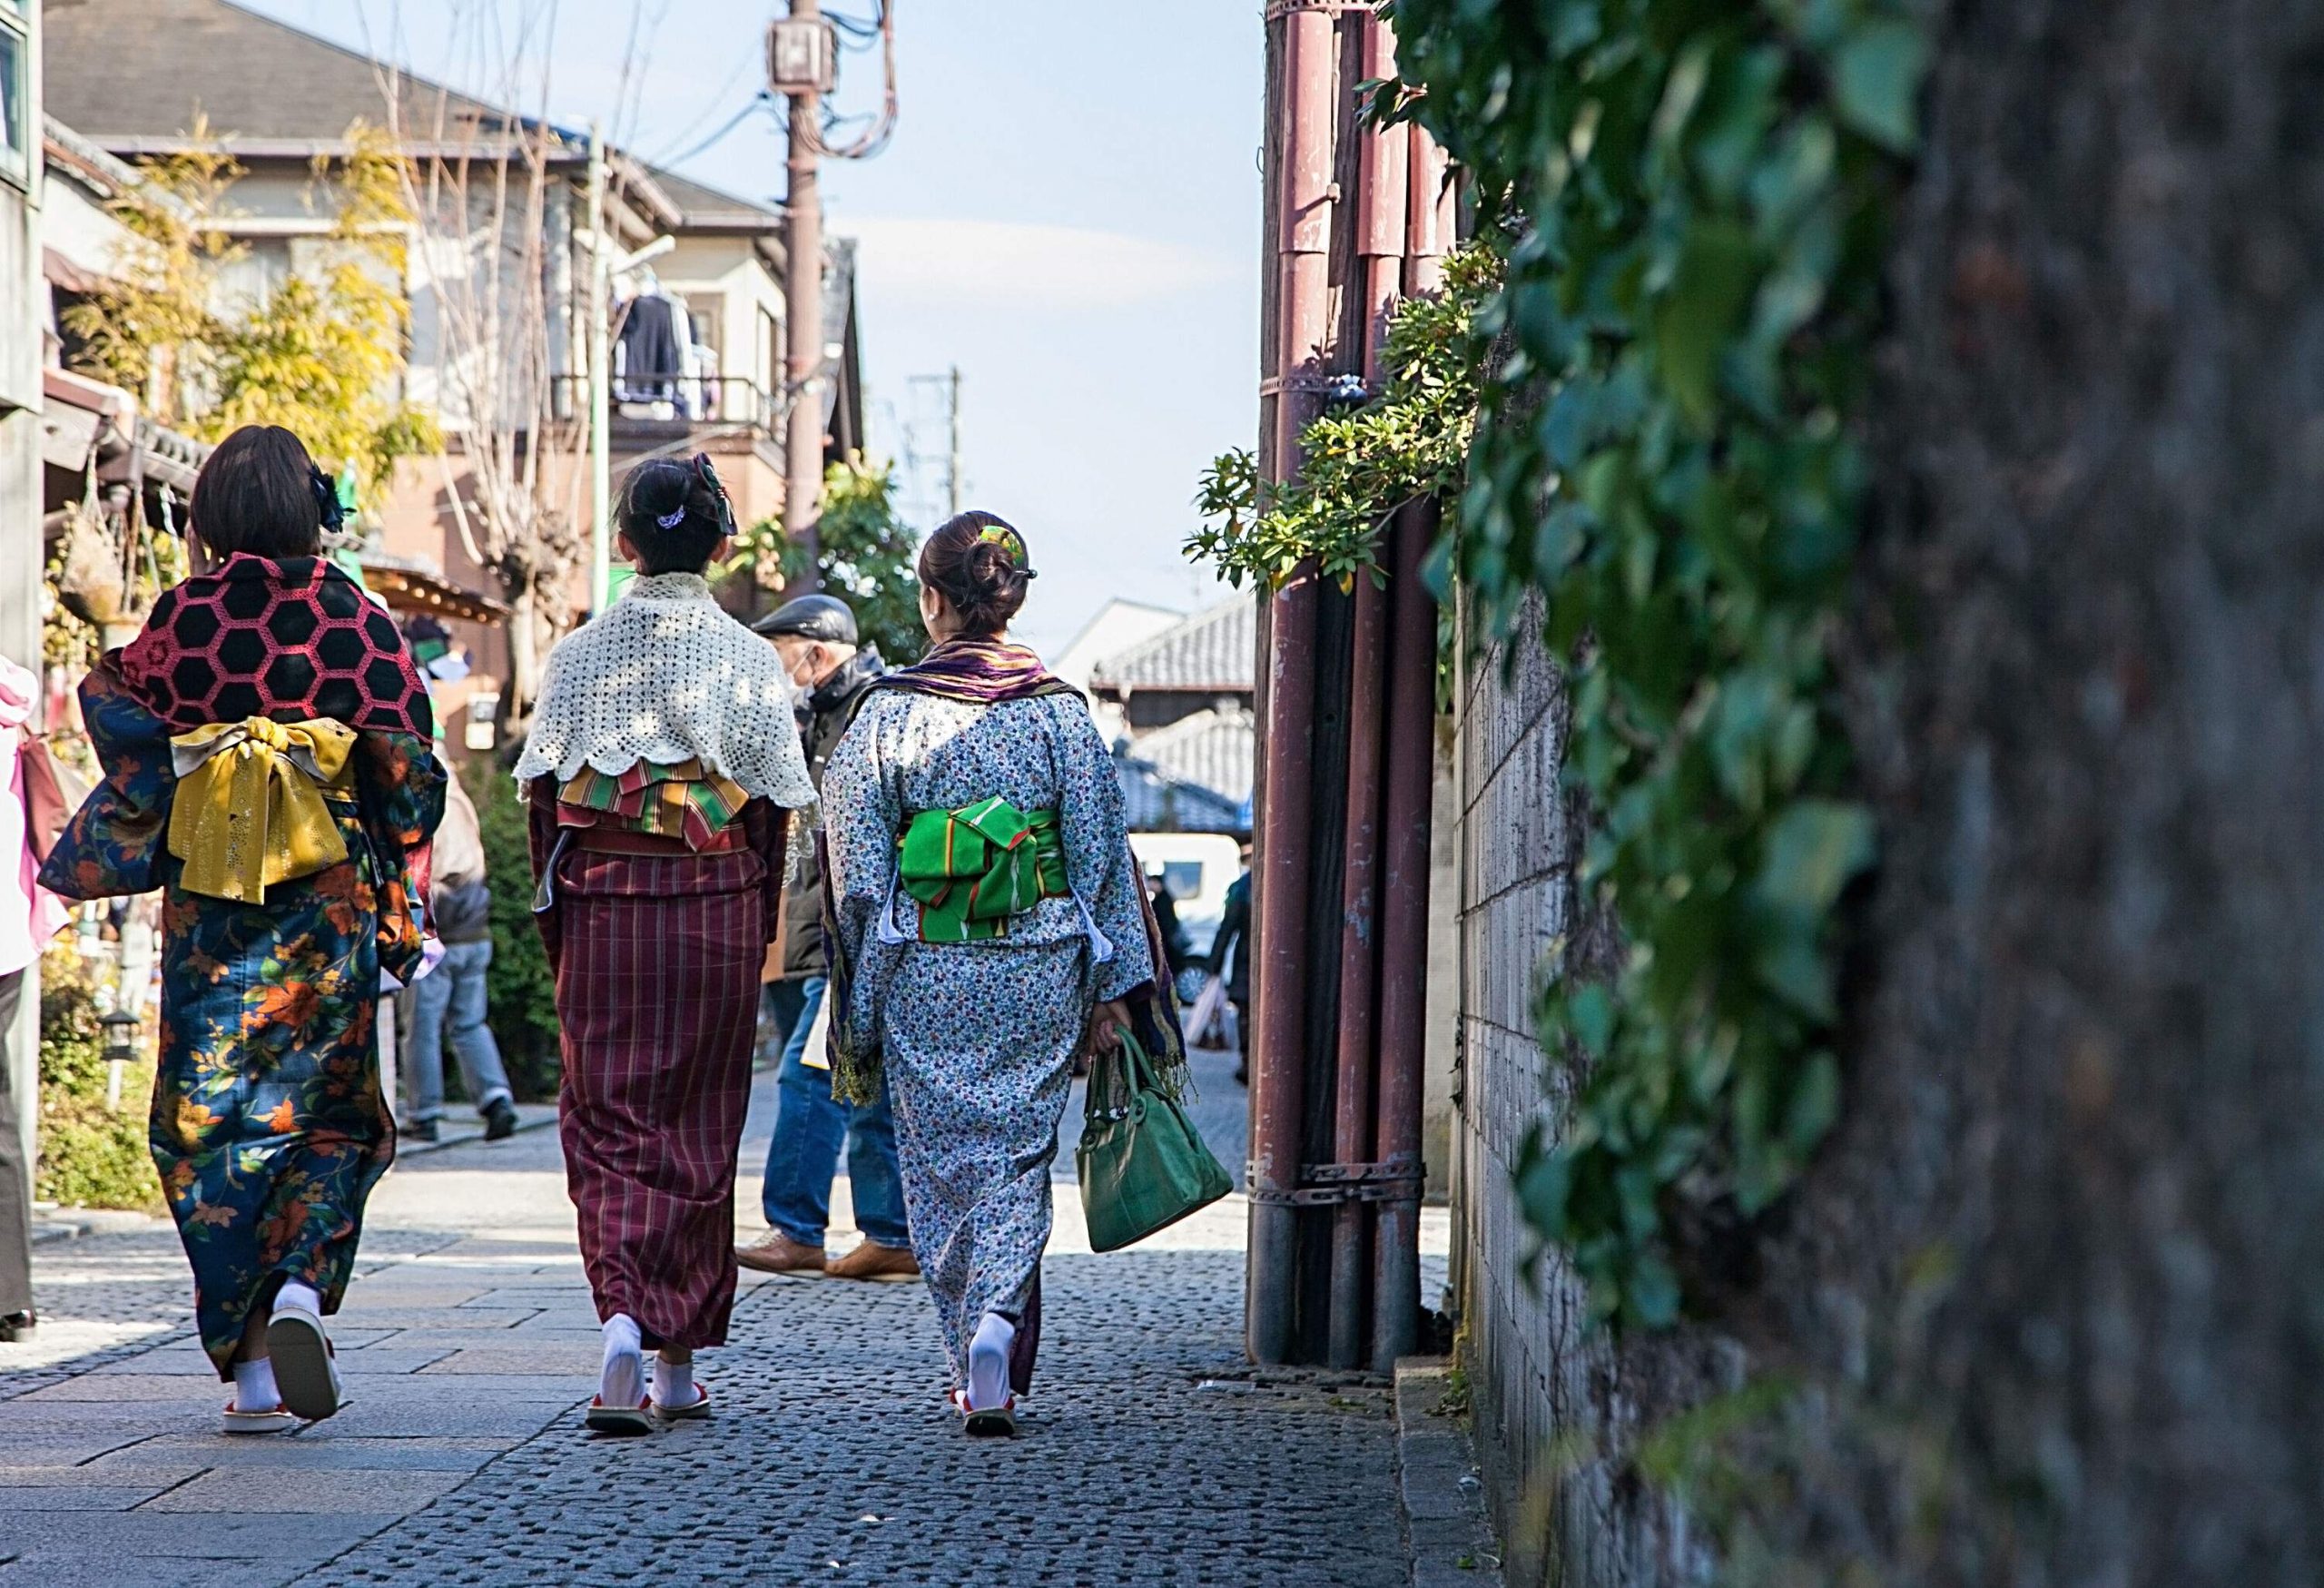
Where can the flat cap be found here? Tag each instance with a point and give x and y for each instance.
(816, 618)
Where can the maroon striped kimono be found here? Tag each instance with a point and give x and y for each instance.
(657, 960)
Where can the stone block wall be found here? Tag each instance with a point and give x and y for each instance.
(1556, 1406)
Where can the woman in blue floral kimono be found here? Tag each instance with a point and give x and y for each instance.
(266, 748)
(971, 985)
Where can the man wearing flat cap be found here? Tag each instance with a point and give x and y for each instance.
(815, 636)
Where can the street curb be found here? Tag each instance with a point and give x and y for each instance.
(72, 1223)
(1449, 1540)
(64, 1224)
(531, 1117)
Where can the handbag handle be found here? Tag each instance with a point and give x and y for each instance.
(1131, 1063)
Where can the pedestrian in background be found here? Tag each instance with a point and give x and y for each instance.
(815, 636)
(457, 991)
(267, 749)
(1230, 956)
(1019, 935)
(1165, 905)
(29, 916)
(661, 772)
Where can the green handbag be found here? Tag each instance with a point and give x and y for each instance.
(1143, 1166)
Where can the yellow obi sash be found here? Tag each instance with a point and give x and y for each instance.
(250, 810)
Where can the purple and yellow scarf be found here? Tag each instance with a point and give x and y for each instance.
(978, 669)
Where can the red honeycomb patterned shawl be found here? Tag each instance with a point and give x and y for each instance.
(287, 640)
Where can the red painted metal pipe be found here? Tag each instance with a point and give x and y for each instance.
(1403, 933)
(1352, 1124)
(1305, 133)
(1431, 214)
(1380, 225)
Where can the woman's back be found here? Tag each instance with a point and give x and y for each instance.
(912, 753)
(290, 640)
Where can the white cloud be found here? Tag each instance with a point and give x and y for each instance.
(1006, 264)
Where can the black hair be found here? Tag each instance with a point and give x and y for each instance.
(260, 493)
(978, 562)
(675, 514)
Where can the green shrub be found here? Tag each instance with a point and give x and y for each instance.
(90, 1156)
(522, 994)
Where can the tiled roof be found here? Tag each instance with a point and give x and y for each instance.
(133, 75)
(1153, 802)
(1213, 650)
(1210, 749)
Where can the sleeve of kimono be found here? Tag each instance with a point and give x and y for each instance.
(1097, 860)
(116, 842)
(540, 796)
(862, 809)
(403, 802)
(406, 783)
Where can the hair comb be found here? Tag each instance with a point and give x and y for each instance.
(1010, 542)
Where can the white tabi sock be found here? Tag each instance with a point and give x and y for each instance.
(989, 1363)
(254, 1389)
(674, 1385)
(296, 1294)
(623, 1382)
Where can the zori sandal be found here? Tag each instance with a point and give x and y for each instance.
(277, 1421)
(622, 1422)
(305, 1368)
(695, 1410)
(990, 1423)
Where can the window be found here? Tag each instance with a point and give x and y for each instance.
(16, 87)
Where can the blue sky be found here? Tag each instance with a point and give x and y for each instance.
(1068, 211)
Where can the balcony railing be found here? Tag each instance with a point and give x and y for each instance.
(673, 400)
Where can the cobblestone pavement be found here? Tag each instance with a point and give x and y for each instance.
(1151, 1454)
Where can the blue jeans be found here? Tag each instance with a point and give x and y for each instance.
(457, 988)
(809, 1126)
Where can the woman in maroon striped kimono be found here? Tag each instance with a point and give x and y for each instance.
(661, 772)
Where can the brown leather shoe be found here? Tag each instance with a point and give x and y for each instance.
(777, 1253)
(889, 1265)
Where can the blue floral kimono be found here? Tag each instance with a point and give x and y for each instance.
(269, 1125)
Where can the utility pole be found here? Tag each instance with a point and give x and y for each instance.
(601, 379)
(800, 64)
(956, 441)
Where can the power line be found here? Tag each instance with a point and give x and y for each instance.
(760, 101)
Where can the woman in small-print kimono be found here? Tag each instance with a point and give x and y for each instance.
(266, 749)
(971, 978)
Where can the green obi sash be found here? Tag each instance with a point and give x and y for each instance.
(973, 868)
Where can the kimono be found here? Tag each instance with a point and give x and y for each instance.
(660, 776)
(269, 1125)
(975, 1028)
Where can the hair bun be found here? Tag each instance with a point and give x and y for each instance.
(978, 563)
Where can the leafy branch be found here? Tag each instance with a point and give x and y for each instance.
(322, 354)
(1407, 442)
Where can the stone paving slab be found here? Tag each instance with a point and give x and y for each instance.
(305, 1492)
(187, 1455)
(78, 1536)
(85, 1497)
(567, 1354)
(156, 1572)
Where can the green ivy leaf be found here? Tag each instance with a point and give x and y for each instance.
(1714, 280)
(1814, 849)
(1876, 81)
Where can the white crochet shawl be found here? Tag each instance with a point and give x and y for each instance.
(664, 675)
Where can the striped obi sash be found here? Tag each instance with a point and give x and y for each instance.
(973, 868)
